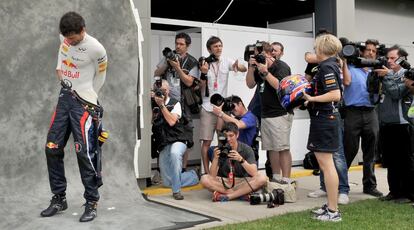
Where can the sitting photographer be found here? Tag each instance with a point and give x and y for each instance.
(395, 130)
(168, 130)
(233, 171)
(180, 69)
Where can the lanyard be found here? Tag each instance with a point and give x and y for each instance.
(216, 74)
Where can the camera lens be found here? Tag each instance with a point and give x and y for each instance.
(216, 99)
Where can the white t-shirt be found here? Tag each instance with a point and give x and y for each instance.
(176, 109)
(84, 65)
(218, 75)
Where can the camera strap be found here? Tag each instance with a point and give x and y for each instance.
(230, 176)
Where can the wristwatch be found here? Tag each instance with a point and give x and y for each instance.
(242, 161)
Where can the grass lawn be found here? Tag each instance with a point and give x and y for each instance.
(367, 214)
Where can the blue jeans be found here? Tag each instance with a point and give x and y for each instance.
(340, 165)
(171, 160)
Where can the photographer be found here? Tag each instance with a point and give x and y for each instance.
(395, 131)
(361, 121)
(276, 122)
(235, 174)
(245, 120)
(180, 69)
(277, 50)
(168, 130)
(214, 78)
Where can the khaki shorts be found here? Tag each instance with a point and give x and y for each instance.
(208, 123)
(276, 132)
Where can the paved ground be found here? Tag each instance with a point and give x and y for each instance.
(241, 211)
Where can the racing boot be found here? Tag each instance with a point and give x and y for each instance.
(90, 211)
(57, 204)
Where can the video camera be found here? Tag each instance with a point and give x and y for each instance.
(170, 54)
(249, 52)
(351, 51)
(223, 146)
(218, 100)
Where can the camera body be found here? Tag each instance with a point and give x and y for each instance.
(351, 52)
(223, 146)
(208, 59)
(169, 54)
(276, 197)
(249, 51)
(218, 100)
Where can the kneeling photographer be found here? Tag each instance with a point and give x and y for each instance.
(168, 130)
(233, 171)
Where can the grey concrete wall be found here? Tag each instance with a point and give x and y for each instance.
(29, 89)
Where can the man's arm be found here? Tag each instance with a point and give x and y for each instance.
(238, 67)
(217, 110)
(185, 77)
(59, 64)
(101, 63)
(272, 80)
(214, 163)
(346, 74)
(170, 117)
(250, 168)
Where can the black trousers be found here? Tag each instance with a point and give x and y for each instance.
(362, 124)
(397, 144)
(70, 117)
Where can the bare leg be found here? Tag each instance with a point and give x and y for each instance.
(327, 166)
(285, 159)
(274, 161)
(256, 182)
(204, 158)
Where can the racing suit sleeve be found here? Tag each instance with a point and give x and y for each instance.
(100, 61)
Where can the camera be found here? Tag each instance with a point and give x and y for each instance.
(351, 52)
(223, 146)
(218, 100)
(276, 197)
(249, 51)
(208, 59)
(169, 54)
(409, 74)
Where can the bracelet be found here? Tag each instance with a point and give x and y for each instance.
(162, 106)
(242, 161)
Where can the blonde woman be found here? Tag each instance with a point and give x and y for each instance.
(324, 120)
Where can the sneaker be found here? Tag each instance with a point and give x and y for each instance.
(57, 204)
(178, 196)
(373, 192)
(329, 216)
(343, 198)
(316, 194)
(219, 197)
(90, 211)
(320, 210)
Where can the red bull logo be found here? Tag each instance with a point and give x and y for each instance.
(52, 145)
(69, 64)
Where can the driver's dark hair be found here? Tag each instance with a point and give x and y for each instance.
(231, 127)
(71, 23)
